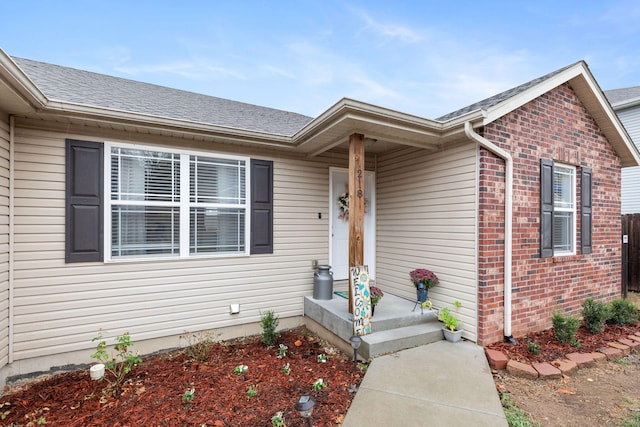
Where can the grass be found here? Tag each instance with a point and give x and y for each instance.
(634, 421)
(515, 416)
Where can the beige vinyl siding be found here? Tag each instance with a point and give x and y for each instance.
(631, 176)
(4, 242)
(426, 211)
(59, 307)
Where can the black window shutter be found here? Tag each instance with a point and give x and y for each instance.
(84, 198)
(546, 208)
(261, 206)
(585, 210)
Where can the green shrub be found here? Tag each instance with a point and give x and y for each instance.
(623, 312)
(565, 327)
(533, 347)
(595, 315)
(269, 322)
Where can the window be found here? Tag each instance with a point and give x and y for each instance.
(174, 204)
(564, 207)
(164, 203)
(558, 214)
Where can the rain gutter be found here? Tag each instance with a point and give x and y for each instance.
(508, 221)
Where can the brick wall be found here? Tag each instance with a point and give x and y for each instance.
(554, 126)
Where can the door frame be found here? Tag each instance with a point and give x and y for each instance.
(370, 219)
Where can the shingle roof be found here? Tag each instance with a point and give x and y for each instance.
(496, 99)
(99, 90)
(616, 96)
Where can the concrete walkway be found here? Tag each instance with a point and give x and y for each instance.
(439, 384)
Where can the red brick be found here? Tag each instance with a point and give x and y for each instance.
(566, 366)
(634, 338)
(583, 360)
(521, 370)
(623, 348)
(611, 353)
(598, 357)
(497, 359)
(541, 129)
(632, 344)
(547, 371)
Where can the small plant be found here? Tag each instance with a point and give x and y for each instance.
(623, 312)
(269, 322)
(450, 321)
(322, 358)
(286, 369)
(623, 361)
(515, 416)
(595, 315)
(252, 391)
(565, 327)
(278, 420)
(319, 384)
(199, 345)
(376, 295)
(533, 347)
(427, 304)
(282, 351)
(188, 395)
(119, 365)
(457, 304)
(240, 369)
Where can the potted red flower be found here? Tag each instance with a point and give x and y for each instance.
(423, 280)
(376, 295)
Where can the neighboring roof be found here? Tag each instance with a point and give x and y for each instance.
(83, 87)
(487, 103)
(624, 97)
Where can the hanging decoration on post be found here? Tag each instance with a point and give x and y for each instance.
(361, 300)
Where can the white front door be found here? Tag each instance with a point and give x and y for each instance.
(339, 224)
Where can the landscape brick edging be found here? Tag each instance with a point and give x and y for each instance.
(573, 361)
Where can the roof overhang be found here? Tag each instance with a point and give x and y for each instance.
(384, 129)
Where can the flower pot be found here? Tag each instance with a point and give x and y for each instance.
(453, 336)
(422, 294)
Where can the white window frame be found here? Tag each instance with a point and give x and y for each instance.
(571, 171)
(184, 204)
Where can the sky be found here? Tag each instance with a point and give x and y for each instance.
(425, 58)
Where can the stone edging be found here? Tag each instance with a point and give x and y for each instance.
(574, 361)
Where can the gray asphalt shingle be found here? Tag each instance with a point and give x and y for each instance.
(496, 99)
(623, 94)
(99, 90)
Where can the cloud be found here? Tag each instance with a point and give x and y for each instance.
(389, 31)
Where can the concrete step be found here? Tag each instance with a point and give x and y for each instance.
(392, 340)
(398, 324)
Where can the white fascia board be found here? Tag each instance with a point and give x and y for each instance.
(19, 82)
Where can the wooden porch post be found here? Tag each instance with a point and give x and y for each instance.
(356, 204)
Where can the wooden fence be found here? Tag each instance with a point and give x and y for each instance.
(630, 253)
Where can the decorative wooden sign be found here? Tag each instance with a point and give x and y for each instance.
(361, 299)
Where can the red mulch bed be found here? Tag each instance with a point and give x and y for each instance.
(152, 395)
(551, 349)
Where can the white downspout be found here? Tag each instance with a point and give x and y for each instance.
(508, 220)
(12, 143)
